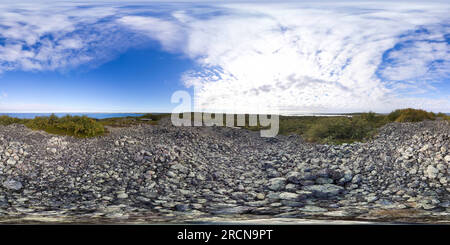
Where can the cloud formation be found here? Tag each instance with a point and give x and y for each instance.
(256, 57)
(58, 36)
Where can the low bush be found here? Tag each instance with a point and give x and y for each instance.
(79, 126)
(345, 129)
(410, 115)
(330, 129)
(443, 116)
(6, 120)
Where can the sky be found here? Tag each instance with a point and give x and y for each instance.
(288, 57)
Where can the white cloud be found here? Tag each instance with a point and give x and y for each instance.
(418, 60)
(59, 35)
(168, 33)
(313, 59)
(295, 57)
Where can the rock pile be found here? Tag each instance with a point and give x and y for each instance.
(181, 172)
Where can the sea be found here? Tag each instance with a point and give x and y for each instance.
(91, 115)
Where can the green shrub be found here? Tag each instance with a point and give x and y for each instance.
(67, 125)
(344, 129)
(410, 115)
(443, 116)
(330, 129)
(362, 128)
(369, 117)
(6, 120)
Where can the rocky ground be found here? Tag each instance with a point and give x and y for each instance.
(151, 174)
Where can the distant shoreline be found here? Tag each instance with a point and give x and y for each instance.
(103, 115)
(61, 114)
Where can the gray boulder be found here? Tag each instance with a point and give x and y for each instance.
(324, 191)
(12, 185)
(277, 184)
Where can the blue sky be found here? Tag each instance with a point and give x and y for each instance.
(284, 57)
(138, 80)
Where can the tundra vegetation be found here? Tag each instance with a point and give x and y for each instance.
(354, 127)
(78, 126)
(320, 129)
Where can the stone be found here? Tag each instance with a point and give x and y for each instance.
(356, 179)
(277, 184)
(302, 194)
(3, 204)
(181, 207)
(441, 167)
(294, 177)
(171, 174)
(12, 185)
(447, 158)
(428, 206)
(260, 196)
(143, 199)
(432, 172)
(291, 187)
(233, 210)
(288, 196)
(291, 203)
(11, 161)
(313, 209)
(371, 198)
(337, 213)
(324, 191)
(200, 178)
(273, 196)
(321, 181)
(348, 176)
(197, 206)
(256, 203)
(122, 195)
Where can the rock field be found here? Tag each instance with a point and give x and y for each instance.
(152, 174)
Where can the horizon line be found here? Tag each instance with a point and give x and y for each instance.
(122, 112)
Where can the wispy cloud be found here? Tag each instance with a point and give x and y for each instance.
(312, 57)
(332, 52)
(168, 33)
(62, 35)
(295, 57)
